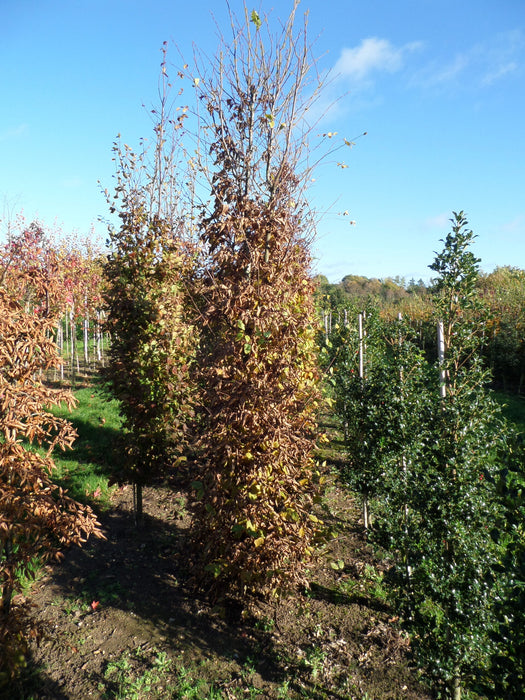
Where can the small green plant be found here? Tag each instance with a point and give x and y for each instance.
(181, 503)
(348, 586)
(74, 605)
(248, 669)
(314, 661)
(190, 688)
(283, 692)
(265, 623)
(373, 582)
(126, 682)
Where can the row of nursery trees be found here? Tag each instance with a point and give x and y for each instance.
(214, 361)
(211, 310)
(213, 356)
(72, 269)
(37, 518)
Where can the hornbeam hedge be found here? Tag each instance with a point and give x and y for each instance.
(256, 483)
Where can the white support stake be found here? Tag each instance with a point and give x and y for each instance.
(366, 517)
(441, 359)
(361, 349)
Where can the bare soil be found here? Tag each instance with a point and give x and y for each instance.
(127, 603)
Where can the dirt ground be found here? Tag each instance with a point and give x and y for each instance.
(124, 621)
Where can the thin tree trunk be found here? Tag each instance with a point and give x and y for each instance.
(137, 505)
(86, 343)
(456, 685)
(366, 514)
(7, 592)
(361, 348)
(67, 329)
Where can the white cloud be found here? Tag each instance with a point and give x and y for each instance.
(503, 56)
(372, 55)
(499, 72)
(13, 132)
(482, 64)
(453, 69)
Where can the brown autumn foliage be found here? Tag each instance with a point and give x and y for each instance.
(256, 482)
(37, 517)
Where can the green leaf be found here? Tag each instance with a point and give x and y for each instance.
(256, 19)
(338, 565)
(198, 487)
(271, 120)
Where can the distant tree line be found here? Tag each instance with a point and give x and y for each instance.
(502, 293)
(354, 289)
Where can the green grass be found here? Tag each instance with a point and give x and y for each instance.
(85, 470)
(125, 682)
(143, 675)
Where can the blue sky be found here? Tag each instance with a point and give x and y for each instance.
(438, 85)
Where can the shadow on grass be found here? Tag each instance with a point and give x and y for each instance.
(97, 444)
(332, 595)
(96, 455)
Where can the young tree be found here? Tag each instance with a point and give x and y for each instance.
(152, 341)
(451, 506)
(256, 482)
(361, 377)
(434, 439)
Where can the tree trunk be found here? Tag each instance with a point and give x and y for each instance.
(456, 685)
(137, 505)
(7, 592)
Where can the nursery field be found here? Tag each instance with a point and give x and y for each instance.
(125, 622)
(230, 547)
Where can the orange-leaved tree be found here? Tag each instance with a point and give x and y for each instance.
(256, 482)
(37, 517)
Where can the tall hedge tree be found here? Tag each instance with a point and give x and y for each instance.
(256, 482)
(152, 339)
